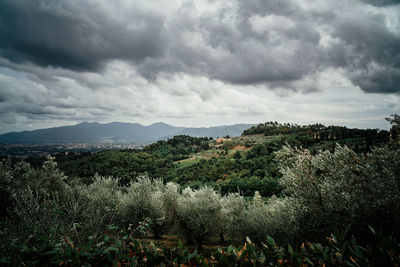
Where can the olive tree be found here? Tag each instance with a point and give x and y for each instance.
(143, 200)
(334, 189)
(170, 199)
(42, 203)
(99, 204)
(277, 217)
(199, 214)
(233, 218)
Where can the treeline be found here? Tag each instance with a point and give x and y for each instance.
(319, 132)
(44, 212)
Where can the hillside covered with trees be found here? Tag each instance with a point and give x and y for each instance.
(242, 164)
(294, 195)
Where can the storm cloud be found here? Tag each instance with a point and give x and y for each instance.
(243, 42)
(76, 35)
(59, 50)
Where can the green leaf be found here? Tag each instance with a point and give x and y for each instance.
(180, 245)
(271, 241)
(290, 249)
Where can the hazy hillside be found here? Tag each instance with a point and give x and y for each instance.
(116, 132)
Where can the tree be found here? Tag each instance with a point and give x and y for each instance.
(143, 200)
(233, 217)
(226, 148)
(335, 189)
(237, 155)
(394, 120)
(98, 204)
(199, 214)
(277, 218)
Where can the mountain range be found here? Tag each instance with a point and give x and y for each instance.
(116, 132)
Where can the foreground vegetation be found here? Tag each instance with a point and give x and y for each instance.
(48, 218)
(342, 251)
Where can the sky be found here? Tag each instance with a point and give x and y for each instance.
(199, 63)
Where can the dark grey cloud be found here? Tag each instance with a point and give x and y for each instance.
(275, 43)
(231, 50)
(74, 34)
(378, 79)
(374, 58)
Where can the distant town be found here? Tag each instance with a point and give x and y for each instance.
(51, 149)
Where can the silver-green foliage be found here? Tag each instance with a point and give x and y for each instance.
(233, 218)
(199, 213)
(143, 199)
(340, 187)
(42, 203)
(99, 204)
(41, 216)
(383, 168)
(277, 217)
(170, 199)
(326, 182)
